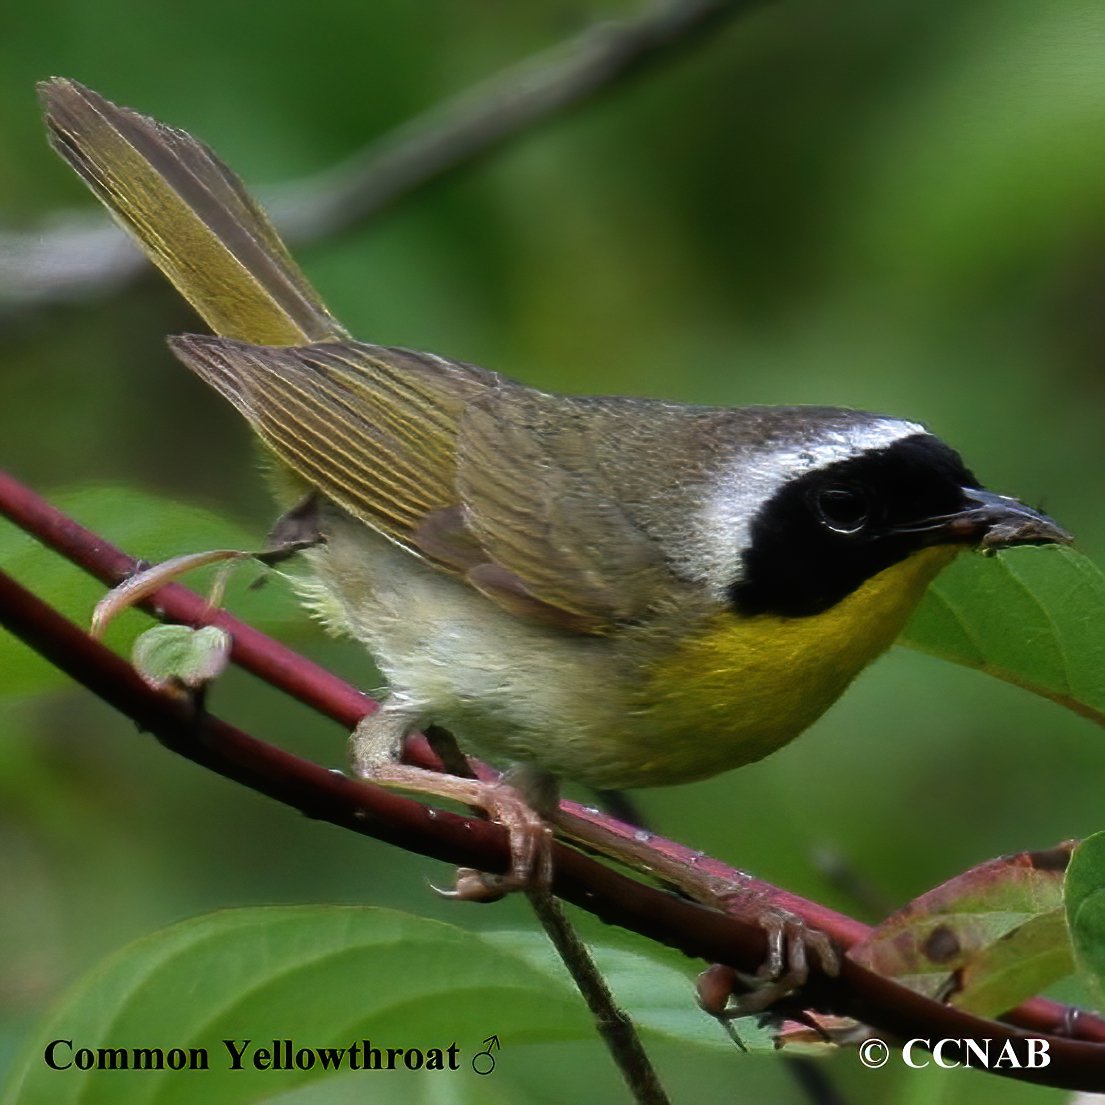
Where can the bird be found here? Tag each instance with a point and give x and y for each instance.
(618, 591)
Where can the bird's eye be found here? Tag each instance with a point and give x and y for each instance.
(843, 508)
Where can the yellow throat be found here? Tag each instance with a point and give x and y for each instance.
(742, 687)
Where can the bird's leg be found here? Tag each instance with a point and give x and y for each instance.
(375, 747)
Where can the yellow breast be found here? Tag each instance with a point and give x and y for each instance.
(742, 687)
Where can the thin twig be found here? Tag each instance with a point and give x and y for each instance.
(76, 255)
(614, 1025)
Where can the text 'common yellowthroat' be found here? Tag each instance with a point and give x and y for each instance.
(618, 591)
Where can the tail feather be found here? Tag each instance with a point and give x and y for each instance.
(191, 215)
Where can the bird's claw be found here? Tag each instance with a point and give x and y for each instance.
(791, 944)
(530, 852)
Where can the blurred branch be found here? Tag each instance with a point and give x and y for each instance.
(74, 255)
(709, 934)
(615, 1027)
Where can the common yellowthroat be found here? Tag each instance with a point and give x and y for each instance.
(618, 591)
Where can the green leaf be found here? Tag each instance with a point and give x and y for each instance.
(329, 976)
(144, 526)
(1033, 617)
(659, 997)
(320, 976)
(178, 656)
(984, 940)
(1085, 902)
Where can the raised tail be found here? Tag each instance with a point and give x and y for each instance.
(191, 215)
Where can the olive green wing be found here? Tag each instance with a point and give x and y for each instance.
(541, 511)
(487, 479)
(374, 429)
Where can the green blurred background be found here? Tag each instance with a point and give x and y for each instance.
(890, 204)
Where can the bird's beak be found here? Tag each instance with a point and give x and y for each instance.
(996, 521)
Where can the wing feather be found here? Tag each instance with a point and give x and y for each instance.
(374, 429)
(533, 501)
(487, 479)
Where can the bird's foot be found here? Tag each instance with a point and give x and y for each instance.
(530, 850)
(791, 947)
